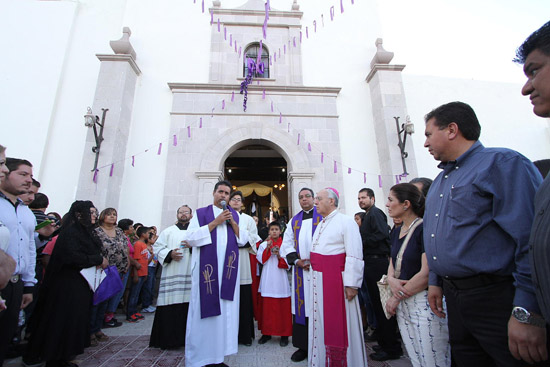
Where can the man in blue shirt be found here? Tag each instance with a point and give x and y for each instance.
(478, 216)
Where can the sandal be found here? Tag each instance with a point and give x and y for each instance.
(100, 336)
(93, 341)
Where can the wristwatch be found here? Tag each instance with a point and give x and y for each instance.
(526, 317)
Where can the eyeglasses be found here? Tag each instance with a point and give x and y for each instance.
(304, 196)
(236, 199)
(186, 213)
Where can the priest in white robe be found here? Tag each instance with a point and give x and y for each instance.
(335, 327)
(296, 248)
(174, 256)
(215, 233)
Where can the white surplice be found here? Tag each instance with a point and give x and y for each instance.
(210, 339)
(175, 281)
(338, 234)
(244, 253)
(304, 239)
(274, 280)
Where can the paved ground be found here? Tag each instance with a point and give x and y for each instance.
(128, 347)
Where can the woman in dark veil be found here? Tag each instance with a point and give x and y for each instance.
(60, 322)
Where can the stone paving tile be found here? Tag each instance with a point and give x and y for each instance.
(128, 347)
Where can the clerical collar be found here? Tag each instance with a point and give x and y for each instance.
(307, 214)
(182, 226)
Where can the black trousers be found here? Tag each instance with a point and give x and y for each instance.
(13, 295)
(478, 324)
(386, 330)
(300, 334)
(246, 315)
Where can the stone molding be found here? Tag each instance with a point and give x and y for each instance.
(175, 87)
(125, 58)
(244, 12)
(385, 67)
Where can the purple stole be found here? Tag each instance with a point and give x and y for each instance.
(300, 316)
(209, 293)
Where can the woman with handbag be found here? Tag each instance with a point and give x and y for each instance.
(425, 335)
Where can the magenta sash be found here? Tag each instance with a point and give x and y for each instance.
(209, 289)
(299, 300)
(334, 307)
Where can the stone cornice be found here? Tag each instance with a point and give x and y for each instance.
(126, 58)
(258, 24)
(385, 67)
(209, 175)
(272, 13)
(184, 87)
(297, 175)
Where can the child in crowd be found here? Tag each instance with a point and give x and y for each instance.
(149, 286)
(274, 289)
(139, 275)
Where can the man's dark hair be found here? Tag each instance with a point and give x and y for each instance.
(142, 230)
(125, 224)
(275, 224)
(185, 206)
(35, 183)
(369, 192)
(40, 201)
(543, 166)
(14, 163)
(306, 189)
(137, 225)
(461, 114)
(425, 182)
(538, 40)
(222, 183)
(236, 193)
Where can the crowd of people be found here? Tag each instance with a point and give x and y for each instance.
(463, 274)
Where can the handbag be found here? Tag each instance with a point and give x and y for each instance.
(383, 285)
(111, 285)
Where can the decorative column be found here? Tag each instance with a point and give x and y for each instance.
(388, 102)
(116, 85)
(207, 181)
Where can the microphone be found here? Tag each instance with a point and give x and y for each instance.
(224, 207)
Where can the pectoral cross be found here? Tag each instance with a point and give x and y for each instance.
(230, 262)
(295, 228)
(298, 286)
(207, 274)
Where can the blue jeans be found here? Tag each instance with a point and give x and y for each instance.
(112, 304)
(96, 316)
(147, 290)
(134, 296)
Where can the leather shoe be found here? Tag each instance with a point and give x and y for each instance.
(264, 339)
(376, 348)
(284, 341)
(384, 356)
(298, 356)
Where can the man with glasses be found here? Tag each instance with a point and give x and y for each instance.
(174, 255)
(296, 247)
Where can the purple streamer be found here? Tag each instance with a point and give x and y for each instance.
(230, 40)
(264, 29)
(252, 67)
(315, 26)
(188, 131)
(298, 139)
(322, 20)
(335, 167)
(232, 96)
(133, 161)
(364, 177)
(396, 179)
(280, 117)
(284, 48)
(349, 171)
(95, 175)
(379, 181)
(263, 94)
(332, 13)
(300, 36)
(322, 157)
(200, 123)
(294, 41)
(211, 17)
(288, 127)
(219, 29)
(160, 149)
(235, 45)
(342, 6)
(213, 108)
(307, 33)
(112, 169)
(279, 53)
(225, 33)
(258, 57)
(223, 104)
(175, 140)
(271, 106)
(268, 7)
(309, 147)
(203, 6)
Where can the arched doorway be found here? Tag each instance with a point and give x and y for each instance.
(260, 172)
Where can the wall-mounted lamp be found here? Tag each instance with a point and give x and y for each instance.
(406, 129)
(91, 120)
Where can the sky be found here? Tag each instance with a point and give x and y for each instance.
(470, 39)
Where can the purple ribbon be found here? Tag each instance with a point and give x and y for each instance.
(160, 149)
(349, 170)
(271, 106)
(342, 6)
(335, 167)
(188, 131)
(232, 96)
(379, 181)
(95, 176)
(112, 169)
(332, 13)
(203, 6)
(299, 300)
(322, 157)
(364, 177)
(209, 288)
(133, 161)
(200, 123)
(309, 147)
(176, 139)
(252, 67)
(298, 139)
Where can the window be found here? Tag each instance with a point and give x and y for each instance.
(251, 52)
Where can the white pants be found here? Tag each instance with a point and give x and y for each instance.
(425, 335)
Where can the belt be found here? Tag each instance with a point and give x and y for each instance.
(376, 256)
(477, 281)
(15, 278)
